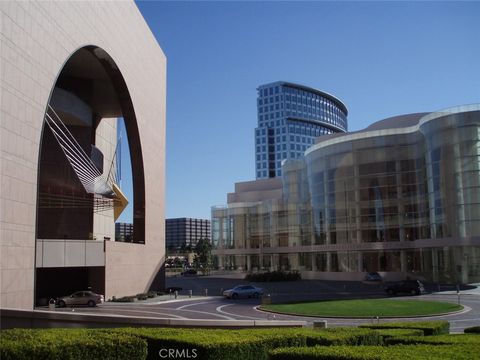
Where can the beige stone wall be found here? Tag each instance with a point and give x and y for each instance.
(36, 40)
(106, 141)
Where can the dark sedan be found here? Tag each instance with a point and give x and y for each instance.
(412, 287)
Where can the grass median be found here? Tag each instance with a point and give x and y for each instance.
(365, 308)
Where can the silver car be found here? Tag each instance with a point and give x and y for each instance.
(243, 291)
(81, 298)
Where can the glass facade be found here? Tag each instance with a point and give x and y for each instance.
(290, 117)
(401, 198)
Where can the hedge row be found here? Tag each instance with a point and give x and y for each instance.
(389, 333)
(63, 344)
(435, 340)
(247, 343)
(399, 352)
(428, 327)
(141, 343)
(472, 330)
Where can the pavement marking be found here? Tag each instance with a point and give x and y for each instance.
(144, 312)
(208, 313)
(474, 319)
(200, 303)
(182, 308)
(194, 298)
(219, 309)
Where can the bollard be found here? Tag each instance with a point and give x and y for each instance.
(458, 294)
(319, 324)
(378, 320)
(176, 294)
(51, 305)
(206, 292)
(266, 299)
(190, 293)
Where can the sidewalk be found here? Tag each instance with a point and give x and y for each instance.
(474, 291)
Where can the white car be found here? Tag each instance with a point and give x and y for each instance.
(81, 298)
(243, 291)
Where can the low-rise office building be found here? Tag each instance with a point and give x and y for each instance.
(183, 232)
(123, 232)
(401, 197)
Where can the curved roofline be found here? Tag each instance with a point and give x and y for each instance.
(337, 129)
(391, 131)
(336, 100)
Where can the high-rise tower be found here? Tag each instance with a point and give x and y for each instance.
(290, 117)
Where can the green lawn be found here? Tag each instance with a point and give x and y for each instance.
(365, 308)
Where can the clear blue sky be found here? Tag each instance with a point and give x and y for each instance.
(380, 58)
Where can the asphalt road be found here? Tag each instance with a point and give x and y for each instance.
(216, 307)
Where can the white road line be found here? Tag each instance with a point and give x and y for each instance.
(219, 309)
(474, 319)
(209, 313)
(182, 308)
(146, 312)
(200, 303)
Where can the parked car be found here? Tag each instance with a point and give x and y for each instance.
(81, 298)
(373, 276)
(189, 272)
(243, 291)
(413, 287)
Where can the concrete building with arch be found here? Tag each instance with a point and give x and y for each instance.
(68, 72)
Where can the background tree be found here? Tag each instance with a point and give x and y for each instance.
(203, 259)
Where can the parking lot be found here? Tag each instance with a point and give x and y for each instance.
(216, 307)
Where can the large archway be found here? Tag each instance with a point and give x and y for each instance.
(77, 194)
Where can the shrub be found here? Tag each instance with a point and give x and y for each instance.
(247, 343)
(400, 352)
(124, 299)
(344, 336)
(428, 327)
(142, 296)
(435, 340)
(274, 276)
(472, 330)
(56, 344)
(389, 333)
(209, 344)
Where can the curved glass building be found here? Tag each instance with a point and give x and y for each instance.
(290, 117)
(401, 197)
